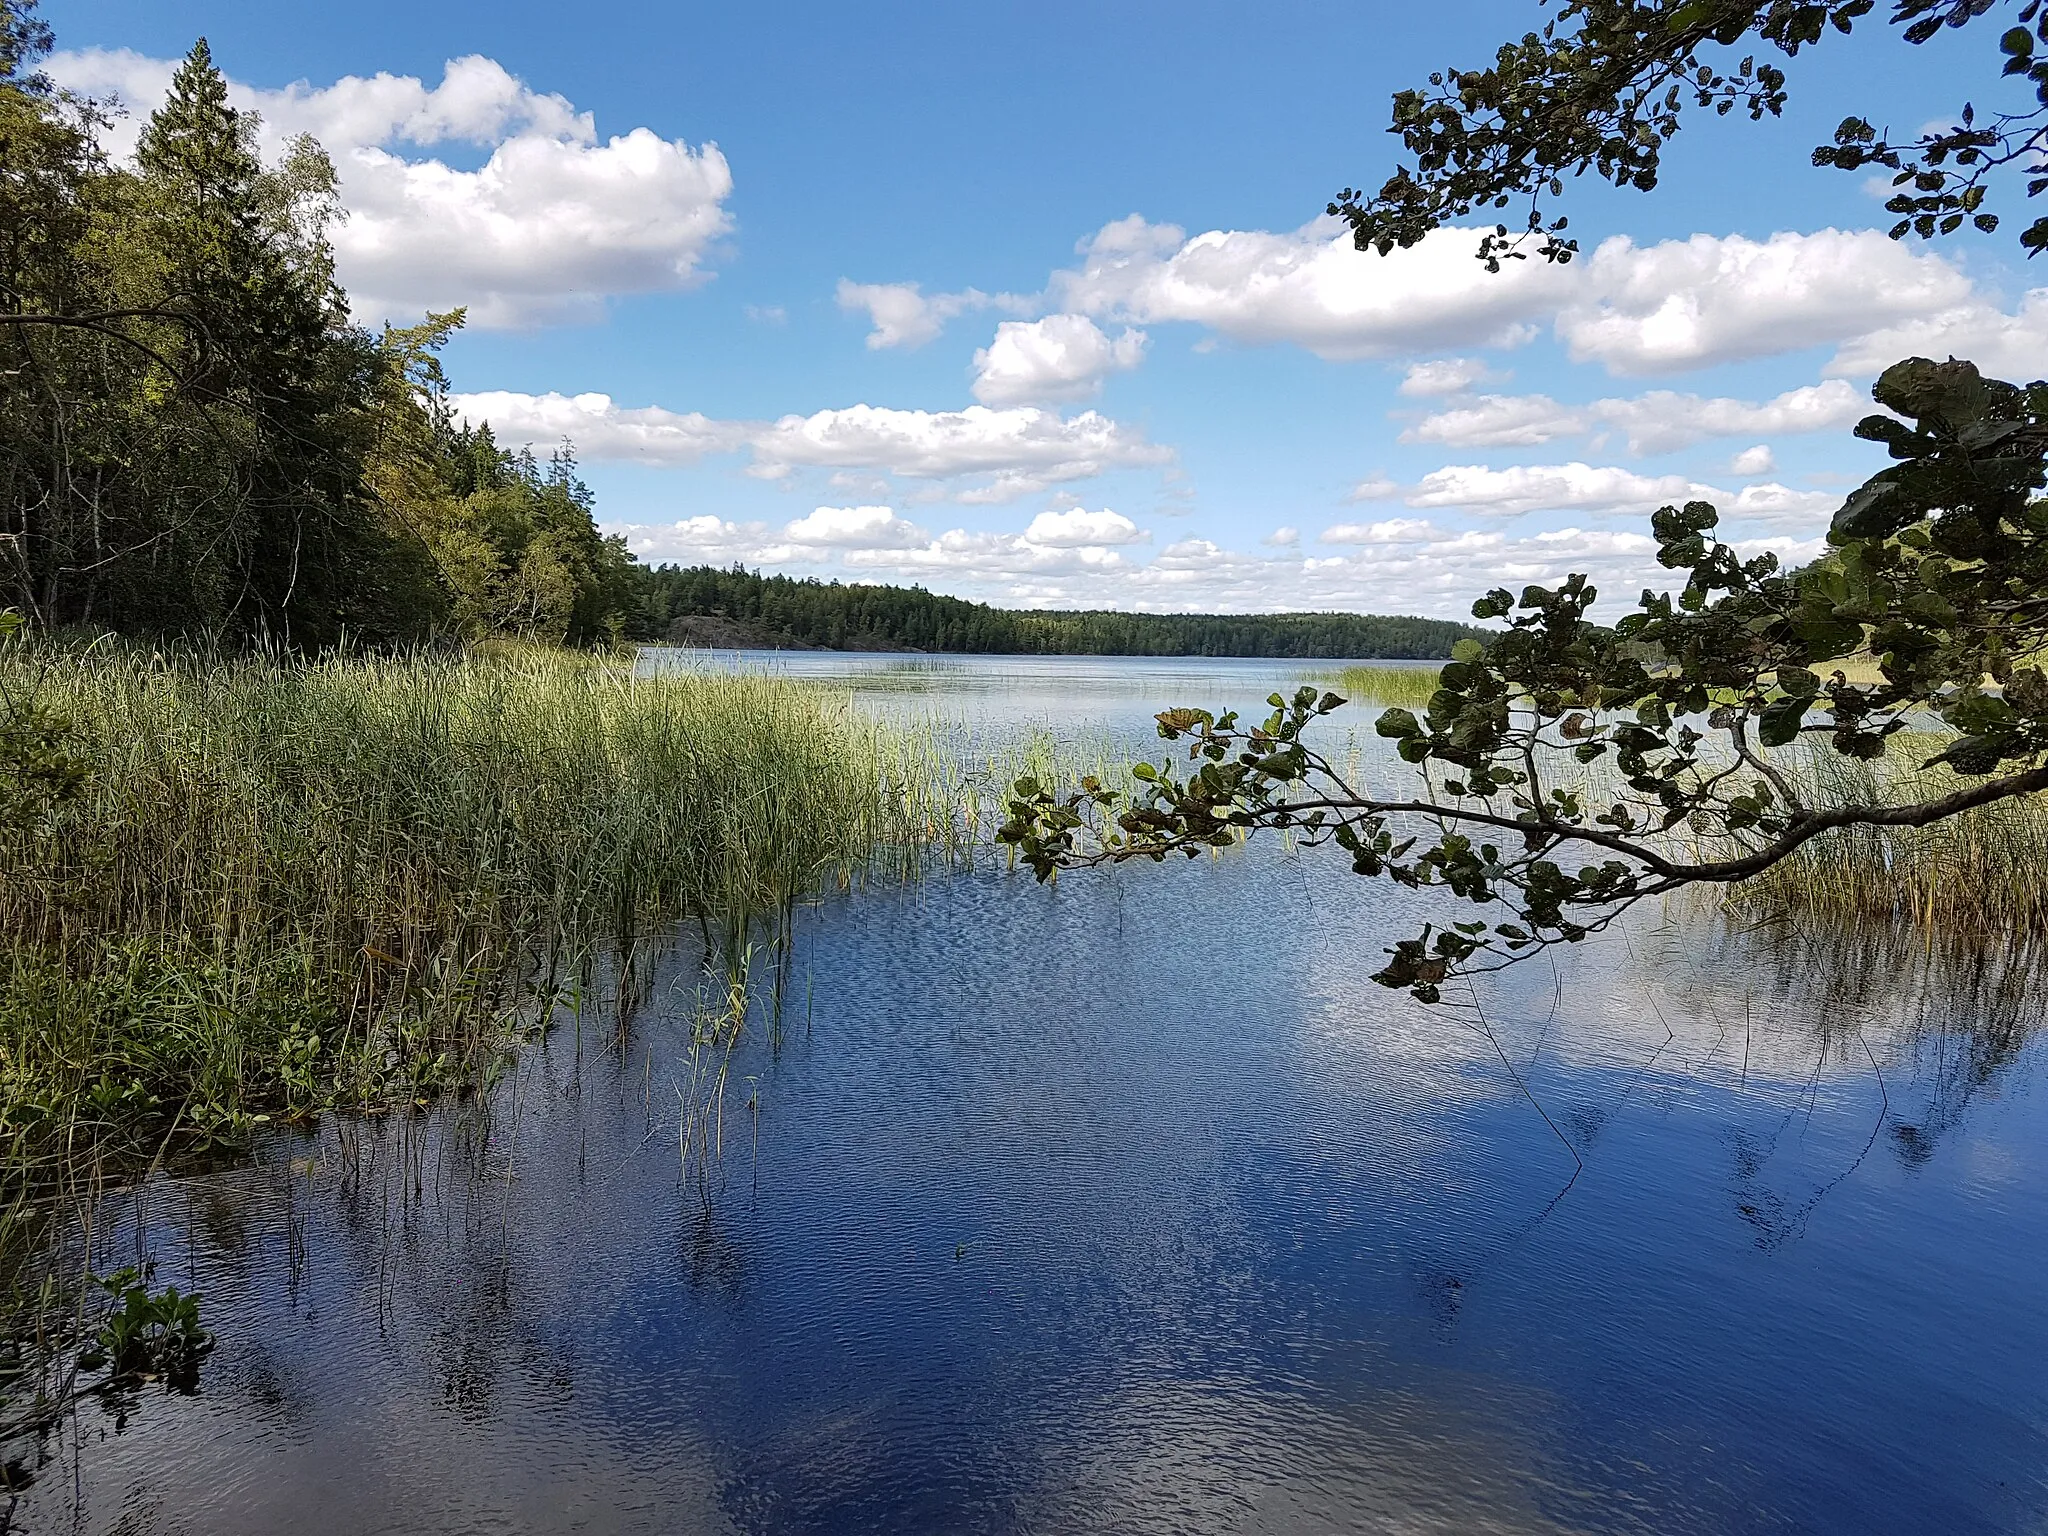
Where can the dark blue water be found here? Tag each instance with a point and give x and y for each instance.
(1133, 1206)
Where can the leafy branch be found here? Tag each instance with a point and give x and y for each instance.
(1604, 86)
(1571, 770)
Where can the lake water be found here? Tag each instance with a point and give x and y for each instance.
(1133, 1206)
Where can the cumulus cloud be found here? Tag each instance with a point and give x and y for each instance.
(1283, 537)
(1776, 506)
(1661, 421)
(1309, 287)
(1498, 421)
(1668, 307)
(1754, 461)
(550, 225)
(855, 528)
(1061, 357)
(1445, 376)
(1574, 487)
(1024, 447)
(600, 428)
(1021, 451)
(903, 315)
(1077, 528)
(2009, 346)
(1392, 530)
(1401, 565)
(697, 540)
(1716, 299)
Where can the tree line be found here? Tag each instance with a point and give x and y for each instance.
(811, 612)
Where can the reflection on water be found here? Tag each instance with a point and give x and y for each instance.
(1131, 1205)
(1114, 693)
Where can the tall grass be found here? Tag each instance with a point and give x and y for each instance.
(1984, 871)
(1390, 687)
(351, 881)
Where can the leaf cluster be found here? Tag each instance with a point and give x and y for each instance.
(1604, 86)
(1571, 769)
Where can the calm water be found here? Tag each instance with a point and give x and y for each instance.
(1133, 1206)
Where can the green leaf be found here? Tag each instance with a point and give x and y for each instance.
(1400, 724)
(1780, 721)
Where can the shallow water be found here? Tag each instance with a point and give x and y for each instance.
(1132, 1205)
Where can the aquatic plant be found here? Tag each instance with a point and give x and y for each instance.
(1984, 870)
(147, 1333)
(279, 886)
(1390, 687)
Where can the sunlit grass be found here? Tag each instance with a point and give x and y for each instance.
(355, 881)
(1389, 687)
(1985, 870)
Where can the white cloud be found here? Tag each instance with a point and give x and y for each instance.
(1393, 530)
(903, 315)
(1077, 528)
(1692, 303)
(1445, 376)
(1025, 448)
(1374, 487)
(1663, 420)
(599, 428)
(855, 528)
(1672, 306)
(1572, 487)
(1660, 421)
(1403, 566)
(1754, 461)
(1310, 287)
(1776, 506)
(1496, 421)
(1022, 450)
(1283, 537)
(2008, 346)
(1061, 357)
(551, 224)
(694, 540)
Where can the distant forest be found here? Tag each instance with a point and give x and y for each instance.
(782, 610)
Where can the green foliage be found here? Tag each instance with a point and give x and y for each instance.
(148, 1333)
(281, 887)
(38, 770)
(1938, 565)
(812, 612)
(194, 439)
(1605, 85)
(1405, 687)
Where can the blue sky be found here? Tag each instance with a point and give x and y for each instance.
(1032, 303)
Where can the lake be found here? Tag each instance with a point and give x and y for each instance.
(1132, 1205)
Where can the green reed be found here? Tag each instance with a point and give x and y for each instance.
(356, 881)
(1985, 870)
(1389, 687)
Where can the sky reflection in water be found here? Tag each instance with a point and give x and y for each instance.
(1134, 1206)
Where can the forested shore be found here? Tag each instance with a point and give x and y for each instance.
(810, 613)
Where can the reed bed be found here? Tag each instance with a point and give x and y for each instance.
(356, 881)
(1984, 871)
(1390, 687)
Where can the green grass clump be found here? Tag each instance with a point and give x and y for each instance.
(1982, 871)
(1390, 687)
(287, 885)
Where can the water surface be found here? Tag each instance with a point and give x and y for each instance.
(1132, 1205)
